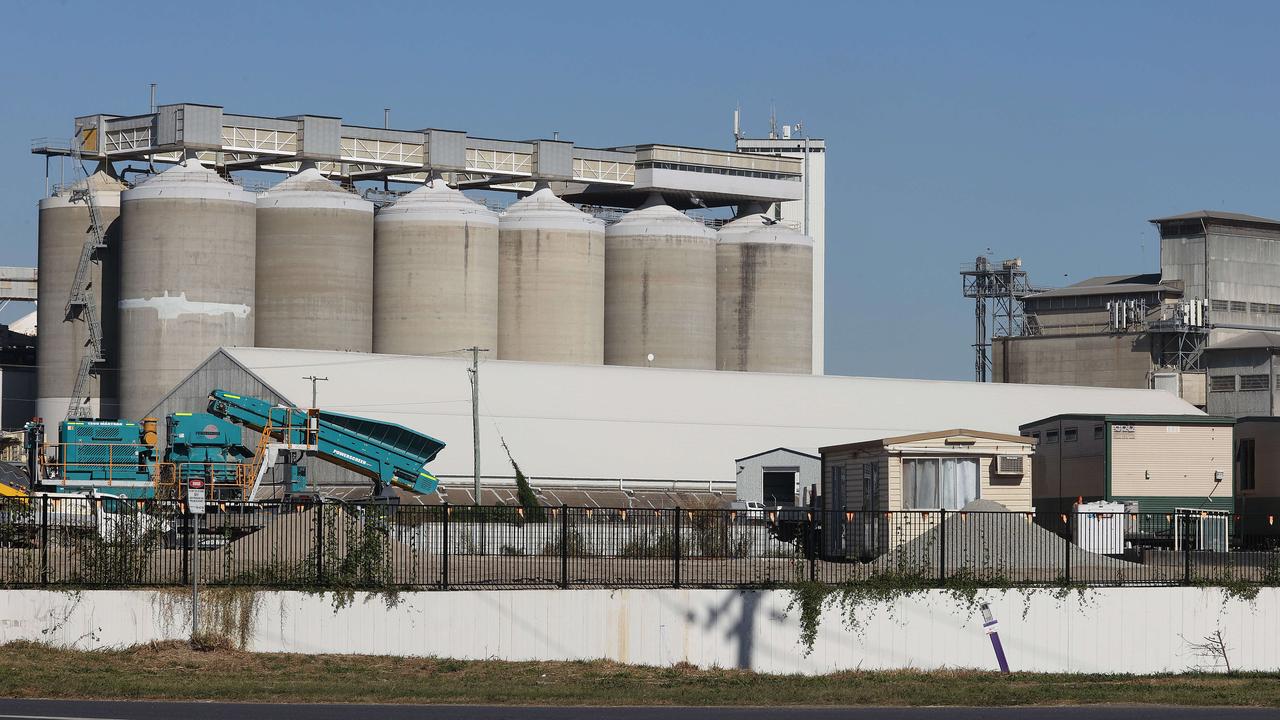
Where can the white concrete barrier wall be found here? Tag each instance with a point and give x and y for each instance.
(1130, 630)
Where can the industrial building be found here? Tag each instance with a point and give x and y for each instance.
(167, 251)
(1176, 330)
(17, 375)
(1242, 375)
(1151, 463)
(622, 430)
(17, 350)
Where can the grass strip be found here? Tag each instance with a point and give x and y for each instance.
(176, 671)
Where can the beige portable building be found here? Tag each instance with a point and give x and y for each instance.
(880, 493)
(1152, 463)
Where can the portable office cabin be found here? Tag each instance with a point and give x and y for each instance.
(1153, 463)
(927, 472)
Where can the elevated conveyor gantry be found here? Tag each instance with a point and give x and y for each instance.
(389, 454)
(617, 176)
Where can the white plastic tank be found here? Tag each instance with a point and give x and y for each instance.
(1099, 527)
(314, 286)
(764, 306)
(660, 290)
(64, 226)
(435, 273)
(551, 268)
(187, 268)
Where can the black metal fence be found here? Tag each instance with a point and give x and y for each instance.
(105, 542)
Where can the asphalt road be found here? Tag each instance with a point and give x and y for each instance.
(126, 710)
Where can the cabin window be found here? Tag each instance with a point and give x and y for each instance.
(933, 483)
(1051, 437)
(1245, 462)
(1097, 432)
(1070, 435)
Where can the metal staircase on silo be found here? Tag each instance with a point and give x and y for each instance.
(80, 304)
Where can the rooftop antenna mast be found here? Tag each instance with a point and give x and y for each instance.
(997, 292)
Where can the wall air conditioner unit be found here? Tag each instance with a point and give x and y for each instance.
(1009, 464)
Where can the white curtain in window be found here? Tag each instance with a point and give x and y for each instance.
(909, 484)
(929, 483)
(959, 483)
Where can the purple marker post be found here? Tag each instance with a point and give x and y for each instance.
(992, 627)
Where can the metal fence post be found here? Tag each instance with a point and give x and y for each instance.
(1066, 549)
(675, 553)
(444, 550)
(320, 543)
(564, 547)
(942, 547)
(186, 545)
(811, 536)
(1186, 547)
(44, 540)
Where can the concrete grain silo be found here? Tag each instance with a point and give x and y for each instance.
(660, 290)
(64, 228)
(186, 278)
(550, 282)
(435, 273)
(314, 287)
(764, 290)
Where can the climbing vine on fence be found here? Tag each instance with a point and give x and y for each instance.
(859, 601)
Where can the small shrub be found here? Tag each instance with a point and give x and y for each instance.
(576, 545)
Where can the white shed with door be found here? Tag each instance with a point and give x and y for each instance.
(777, 478)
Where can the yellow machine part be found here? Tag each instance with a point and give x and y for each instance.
(10, 491)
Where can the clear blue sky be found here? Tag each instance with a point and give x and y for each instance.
(1051, 131)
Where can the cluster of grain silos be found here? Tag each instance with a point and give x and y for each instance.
(680, 295)
(194, 262)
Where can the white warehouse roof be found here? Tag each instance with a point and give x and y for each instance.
(604, 424)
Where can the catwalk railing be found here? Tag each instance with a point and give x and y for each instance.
(107, 542)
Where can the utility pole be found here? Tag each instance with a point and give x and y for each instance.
(314, 380)
(474, 372)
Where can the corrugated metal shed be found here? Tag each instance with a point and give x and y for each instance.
(1249, 341)
(636, 428)
(1217, 215)
(1110, 285)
